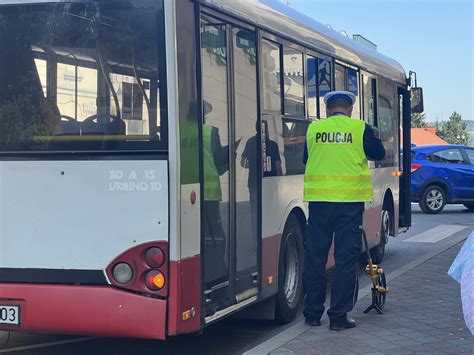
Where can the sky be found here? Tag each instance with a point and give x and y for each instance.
(434, 38)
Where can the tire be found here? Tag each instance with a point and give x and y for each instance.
(290, 272)
(469, 206)
(433, 199)
(378, 252)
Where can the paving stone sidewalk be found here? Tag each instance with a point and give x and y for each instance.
(423, 315)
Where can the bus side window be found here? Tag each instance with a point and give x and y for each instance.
(311, 82)
(353, 87)
(271, 76)
(319, 81)
(341, 77)
(388, 121)
(324, 83)
(368, 102)
(293, 81)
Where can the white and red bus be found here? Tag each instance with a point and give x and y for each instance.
(151, 159)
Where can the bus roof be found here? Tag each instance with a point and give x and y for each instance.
(278, 18)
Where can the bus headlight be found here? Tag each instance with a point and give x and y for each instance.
(123, 273)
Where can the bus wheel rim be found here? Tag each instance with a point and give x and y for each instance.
(291, 268)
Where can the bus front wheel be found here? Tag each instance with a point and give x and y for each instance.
(290, 271)
(378, 252)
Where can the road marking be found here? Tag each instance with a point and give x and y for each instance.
(436, 234)
(45, 345)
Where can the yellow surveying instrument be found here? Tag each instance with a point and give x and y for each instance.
(377, 276)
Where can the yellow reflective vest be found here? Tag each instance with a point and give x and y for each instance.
(337, 169)
(212, 183)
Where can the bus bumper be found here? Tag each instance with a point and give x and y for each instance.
(85, 310)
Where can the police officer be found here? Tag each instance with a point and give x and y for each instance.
(337, 183)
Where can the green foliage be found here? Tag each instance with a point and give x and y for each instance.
(418, 120)
(455, 131)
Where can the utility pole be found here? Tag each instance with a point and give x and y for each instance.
(288, 2)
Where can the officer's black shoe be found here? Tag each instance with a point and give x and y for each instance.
(344, 323)
(312, 322)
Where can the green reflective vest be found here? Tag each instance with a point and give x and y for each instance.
(212, 183)
(337, 169)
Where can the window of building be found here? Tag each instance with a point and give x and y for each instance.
(41, 68)
(293, 76)
(271, 76)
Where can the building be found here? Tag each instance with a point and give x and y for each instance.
(426, 136)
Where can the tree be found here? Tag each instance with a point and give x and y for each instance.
(418, 120)
(454, 131)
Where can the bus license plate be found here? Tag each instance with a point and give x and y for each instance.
(9, 315)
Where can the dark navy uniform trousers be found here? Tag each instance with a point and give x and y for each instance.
(340, 220)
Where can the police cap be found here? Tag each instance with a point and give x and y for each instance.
(339, 95)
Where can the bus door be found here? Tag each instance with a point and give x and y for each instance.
(405, 163)
(231, 166)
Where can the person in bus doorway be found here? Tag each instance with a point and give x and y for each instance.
(336, 185)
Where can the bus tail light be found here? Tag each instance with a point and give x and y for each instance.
(142, 269)
(155, 257)
(123, 273)
(415, 167)
(155, 280)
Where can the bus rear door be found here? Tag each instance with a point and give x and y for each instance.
(231, 167)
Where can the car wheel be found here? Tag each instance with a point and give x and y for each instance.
(290, 272)
(433, 199)
(378, 251)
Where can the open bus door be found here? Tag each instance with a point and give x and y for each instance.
(405, 163)
(411, 101)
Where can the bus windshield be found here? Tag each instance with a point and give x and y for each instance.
(82, 77)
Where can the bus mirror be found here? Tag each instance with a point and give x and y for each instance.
(245, 39)
(416, 100)
(213, 38)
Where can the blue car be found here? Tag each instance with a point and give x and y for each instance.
(442, 174)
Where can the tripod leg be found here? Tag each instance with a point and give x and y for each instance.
(368, 309)
(374, 303)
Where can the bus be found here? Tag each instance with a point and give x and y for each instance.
(151, 159)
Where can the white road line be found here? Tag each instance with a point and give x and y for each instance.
(436, 234)
(45, 345)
